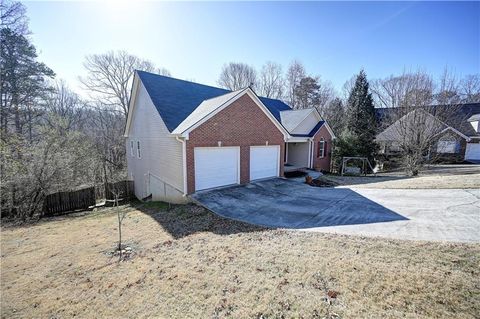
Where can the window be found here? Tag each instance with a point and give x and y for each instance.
(131, 148)
(447, 147)
(321, 148)
(138, 149)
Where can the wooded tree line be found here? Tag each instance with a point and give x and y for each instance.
(300, 89)
(51, 138)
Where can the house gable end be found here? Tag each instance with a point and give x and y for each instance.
(246, 92)
(242, 124)
(308, 123)
(161, 159)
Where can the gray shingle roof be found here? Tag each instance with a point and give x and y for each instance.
(204, 109)
(176, 99)
(459, 122)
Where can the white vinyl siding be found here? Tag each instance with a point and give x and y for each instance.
(264, 161)
(160, 153)
(298, 154)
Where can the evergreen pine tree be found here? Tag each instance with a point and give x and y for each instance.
(22, 78)
(360, 122)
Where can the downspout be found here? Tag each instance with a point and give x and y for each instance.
(184, 163)
(286, 152)
(310, 152)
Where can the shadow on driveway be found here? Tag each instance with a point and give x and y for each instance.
(290, 204)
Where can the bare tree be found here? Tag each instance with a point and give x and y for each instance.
(120, 217)
(326, 94)
(63, 103)
(414, 126)
(236, 76)
(409, 88)
(271, 83)
(470, 88)
(334, 114)
(412, 136)
(110, 76)
(295, 73)
(162, 71)
(107, 132)
(447, 91)
(13, 16)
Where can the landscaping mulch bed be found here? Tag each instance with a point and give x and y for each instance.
(320, 182)
(294, 174)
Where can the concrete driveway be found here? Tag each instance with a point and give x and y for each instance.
(439, 215)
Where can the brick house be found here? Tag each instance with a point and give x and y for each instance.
(182, 137)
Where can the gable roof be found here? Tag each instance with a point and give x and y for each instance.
(460, 122)
(292, 118)
(204, 109)
(313, 131)
(409, 123)
(165, 91)
(474, 117)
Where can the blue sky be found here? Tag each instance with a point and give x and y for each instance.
(193, 40)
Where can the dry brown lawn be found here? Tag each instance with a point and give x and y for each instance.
(190, 263)
(433, 177)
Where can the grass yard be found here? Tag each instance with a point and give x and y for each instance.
(432, 177)
(189, 263)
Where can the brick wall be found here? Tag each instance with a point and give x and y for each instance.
(449, 157)
(242, 124)
(322, 164)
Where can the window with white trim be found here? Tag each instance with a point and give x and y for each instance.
(138, 149)
(131, 149)
(321, 148)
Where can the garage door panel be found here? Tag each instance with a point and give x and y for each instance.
(473, 151)
(264, 161)
(216, 166)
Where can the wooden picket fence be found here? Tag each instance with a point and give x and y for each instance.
(63, 202)
(69, 201)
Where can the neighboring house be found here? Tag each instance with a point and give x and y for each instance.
(456, 139)
(182, 137)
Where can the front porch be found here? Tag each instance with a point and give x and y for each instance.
(298, 156)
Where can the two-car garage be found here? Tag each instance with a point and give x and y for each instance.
(222, 166)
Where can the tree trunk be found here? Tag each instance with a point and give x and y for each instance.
(119, 227)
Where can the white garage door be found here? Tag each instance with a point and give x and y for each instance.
(264, 161)
(473, 151)
(216, 166)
